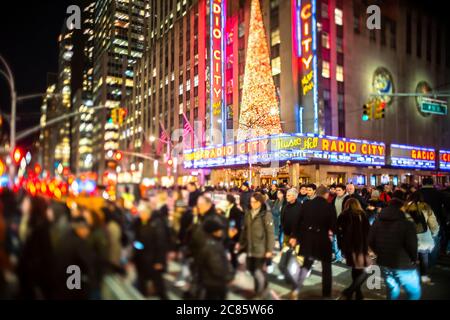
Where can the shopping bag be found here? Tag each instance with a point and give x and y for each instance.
(290, 265)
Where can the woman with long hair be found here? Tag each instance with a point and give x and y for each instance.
(352, 234)
(257, 241)
(421, 214)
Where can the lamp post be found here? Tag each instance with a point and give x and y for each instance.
(12, 136)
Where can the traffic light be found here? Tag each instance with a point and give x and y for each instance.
(2, 168)
(380, 110)
(118, 156)
(115, 116)
(367, 112)
(122, 115)
(17, 155)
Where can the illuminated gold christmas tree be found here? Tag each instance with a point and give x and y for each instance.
(260, 114)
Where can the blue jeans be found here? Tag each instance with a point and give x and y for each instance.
(336, 251)
(397, 278)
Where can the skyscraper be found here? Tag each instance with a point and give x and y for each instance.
(119, 40)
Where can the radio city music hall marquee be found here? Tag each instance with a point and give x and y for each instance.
(283, 147)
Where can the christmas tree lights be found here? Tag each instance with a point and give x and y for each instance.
(260, 114)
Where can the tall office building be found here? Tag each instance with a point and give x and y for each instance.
(82, 125)
(119, 34)
(48, 136)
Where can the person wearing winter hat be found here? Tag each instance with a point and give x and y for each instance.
(215, 269)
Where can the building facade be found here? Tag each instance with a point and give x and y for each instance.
(326, 65)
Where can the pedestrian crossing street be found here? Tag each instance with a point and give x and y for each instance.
(242, 286)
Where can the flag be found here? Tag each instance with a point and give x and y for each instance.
(164, 138)
(187, 128)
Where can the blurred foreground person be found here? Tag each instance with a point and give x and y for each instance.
(73, 250)
(214, 267)
(97, 241)
(352, 236)
(314, 232)
(5, 265)
(235, 220)
(36, 256)
(393, 239)
(150, 251)
(257, 241)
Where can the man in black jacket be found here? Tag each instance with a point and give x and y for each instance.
(244, 199)
(214, 269)
(289, 215)
(393, 239)
(351, 190)
(194, 193)
(314, 231)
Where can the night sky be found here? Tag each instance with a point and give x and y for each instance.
(28, 41)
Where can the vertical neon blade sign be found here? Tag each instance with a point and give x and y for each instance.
(217, 35)
(306, 43)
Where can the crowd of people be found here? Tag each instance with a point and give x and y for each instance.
(403, 230)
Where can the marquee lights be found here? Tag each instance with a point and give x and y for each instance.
(306, 36)
(412, 157)
(444, 159)
(283, 147)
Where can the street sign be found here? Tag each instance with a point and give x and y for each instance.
(434, 106)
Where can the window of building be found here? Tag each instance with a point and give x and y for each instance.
(356, 17)
(340, 73)
(341, 115)
(325, 40)
(276, 66)
(383, 32)
(339, 45)
(326, 69)
(274, 4)
(393, 29)
(419, 38)
(275, 37)
(408, 33)
(438, 44)
(324, 10)
(338, 17)
(429, 40)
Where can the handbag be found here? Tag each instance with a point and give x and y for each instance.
(290, 266)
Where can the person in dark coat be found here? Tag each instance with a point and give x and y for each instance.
(235, 221)
(214, 268)
(289, 215)
(150, 251)
(314, 231)
(194, 193)
(352, 236)
(196, 239)
(73, 250)
(273, 193)
(394, 241)
(277, 209)
(245, 196)
(36, 259)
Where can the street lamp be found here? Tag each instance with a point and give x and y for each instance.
(12, 144)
